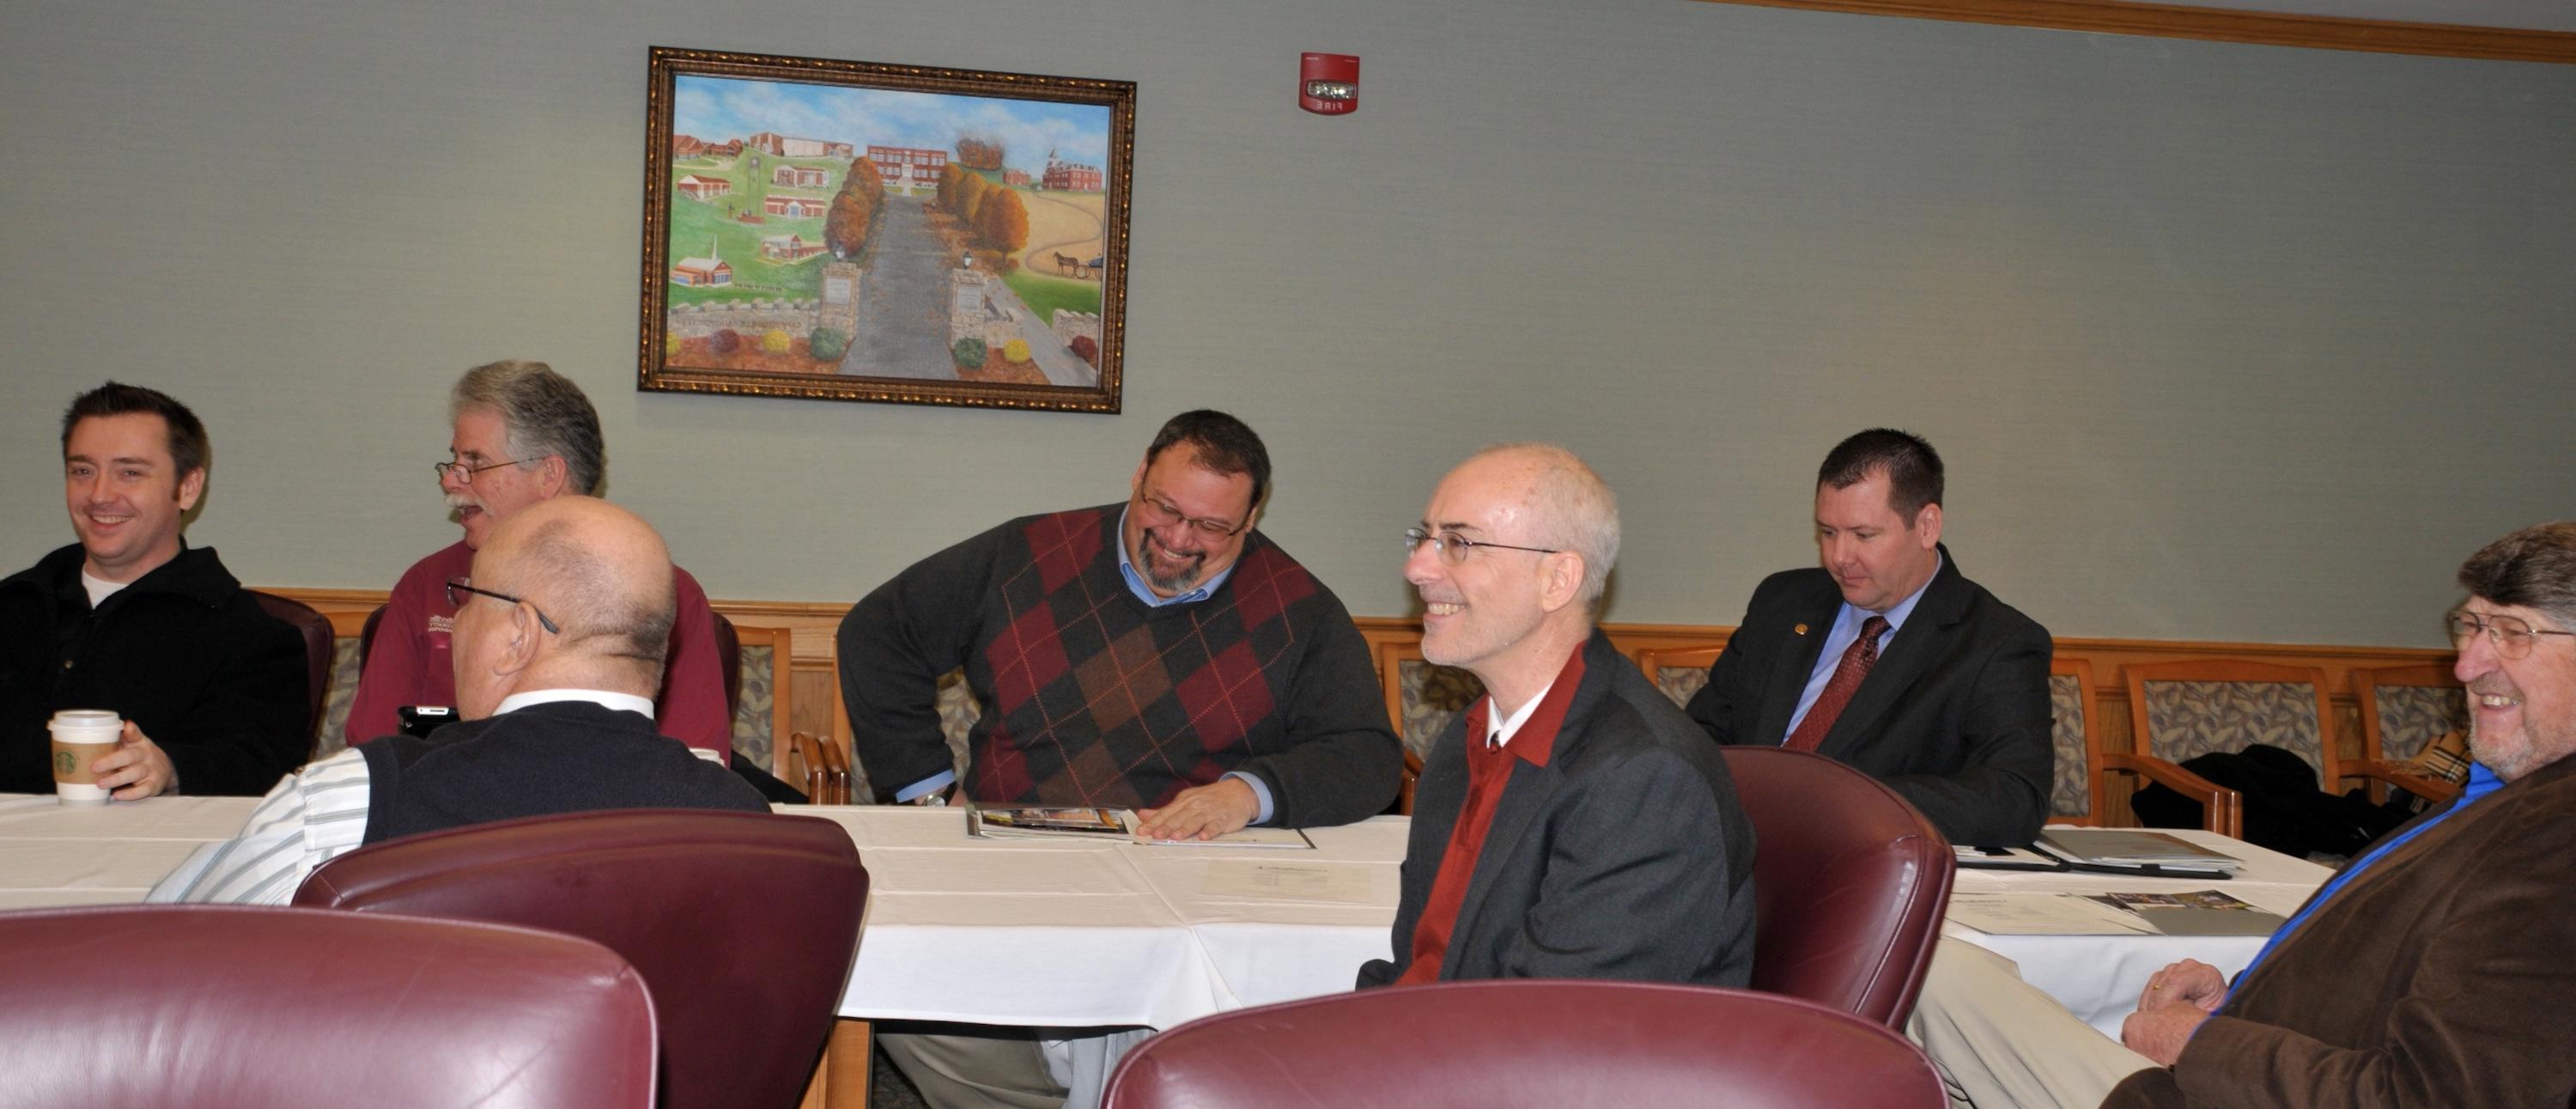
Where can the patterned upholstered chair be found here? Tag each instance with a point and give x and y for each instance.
(2179, 710)
(2078, 795)
(2403, 708)
(1421, 699)
(756, 662)
(1678, 671)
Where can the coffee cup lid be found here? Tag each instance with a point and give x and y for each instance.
(86, 718)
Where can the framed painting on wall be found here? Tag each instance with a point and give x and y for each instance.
(857, 231)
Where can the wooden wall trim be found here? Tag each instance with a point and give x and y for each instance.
(815, 621)
(2378, 36)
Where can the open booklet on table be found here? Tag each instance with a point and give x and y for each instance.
(1101, 822)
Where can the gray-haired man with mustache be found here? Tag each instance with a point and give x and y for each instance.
(2432, 970)
(522, 435)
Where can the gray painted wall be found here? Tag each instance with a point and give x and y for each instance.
(2221, 341)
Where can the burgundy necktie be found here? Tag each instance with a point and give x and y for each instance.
(1857, 659)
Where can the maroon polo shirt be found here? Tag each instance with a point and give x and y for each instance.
(1488, 771)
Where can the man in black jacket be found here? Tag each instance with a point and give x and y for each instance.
(1887, 659)
(214, 692)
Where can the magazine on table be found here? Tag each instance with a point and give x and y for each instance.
(1104, 823)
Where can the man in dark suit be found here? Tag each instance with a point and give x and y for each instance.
(1572, 824)
(1887, 659)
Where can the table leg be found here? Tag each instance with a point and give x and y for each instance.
(841, 1077)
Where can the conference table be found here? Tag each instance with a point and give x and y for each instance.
(1090, 934)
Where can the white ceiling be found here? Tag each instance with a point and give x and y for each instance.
(2529, 15)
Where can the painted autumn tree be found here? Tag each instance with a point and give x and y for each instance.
(979, 152)
(1001, 221)
(862, 195)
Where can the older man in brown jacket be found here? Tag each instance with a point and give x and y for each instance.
(2438, 969)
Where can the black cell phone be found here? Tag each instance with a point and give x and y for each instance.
(420, 720)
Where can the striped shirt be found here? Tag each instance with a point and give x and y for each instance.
(313, 816)
(318, 814)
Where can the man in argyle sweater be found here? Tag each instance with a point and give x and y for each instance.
(1157, 654)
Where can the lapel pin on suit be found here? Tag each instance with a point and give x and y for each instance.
(1799, 630)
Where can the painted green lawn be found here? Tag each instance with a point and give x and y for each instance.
(694, 224)
(1044, 294)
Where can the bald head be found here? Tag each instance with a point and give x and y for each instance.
(1566, 504)
(599, 573)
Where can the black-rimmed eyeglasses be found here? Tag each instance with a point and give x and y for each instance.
(465, 471)
(465, 585)
(2512, 635)
(1162, 514)
(1453, 547)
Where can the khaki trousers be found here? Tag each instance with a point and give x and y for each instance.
(964, 1066)
(2002, 1044)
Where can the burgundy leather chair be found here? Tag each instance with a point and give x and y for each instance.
(1530, 1042)
(1849, 883)
(744, 925)
(234, 1007)
(316, 630)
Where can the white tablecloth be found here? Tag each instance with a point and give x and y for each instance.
(2098, 977)
(111, 855)
(1051, 933)
(1014, 932)
(1058, 934)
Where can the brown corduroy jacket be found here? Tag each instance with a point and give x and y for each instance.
(2445, 975)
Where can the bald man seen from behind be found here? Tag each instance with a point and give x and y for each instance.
(561, 632)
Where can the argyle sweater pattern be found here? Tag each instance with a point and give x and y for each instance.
(1091, 697)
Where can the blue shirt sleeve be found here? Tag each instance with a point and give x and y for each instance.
(1260, 792)
(933, 783)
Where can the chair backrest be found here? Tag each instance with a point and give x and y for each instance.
(367, 634)
(316, 630)
(2179, 710)
(2075, 709)
(743, 924)
(2405, 707)
(758, 680)
(1530, 1042)
(1422, 697)
(1849, 883)
(233, 1007)
(1679, 671)
(729, 662)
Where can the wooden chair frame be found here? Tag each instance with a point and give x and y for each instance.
(782, 646)
(2089, 702)
(1654, 660)
(2232, 820)
(2373, 765)
(1392, 654)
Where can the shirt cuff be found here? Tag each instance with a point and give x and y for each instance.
(1260, 792)
(933, 783)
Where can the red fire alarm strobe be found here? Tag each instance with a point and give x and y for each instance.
(1328, 84)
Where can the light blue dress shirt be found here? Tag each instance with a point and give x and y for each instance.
(1847, 622)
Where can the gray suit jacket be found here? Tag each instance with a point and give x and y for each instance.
(1626, 856)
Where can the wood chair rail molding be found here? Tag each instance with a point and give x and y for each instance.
(2323, 32)
(815, 686)
(815, 622)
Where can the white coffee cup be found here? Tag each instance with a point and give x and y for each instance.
(82, 737)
